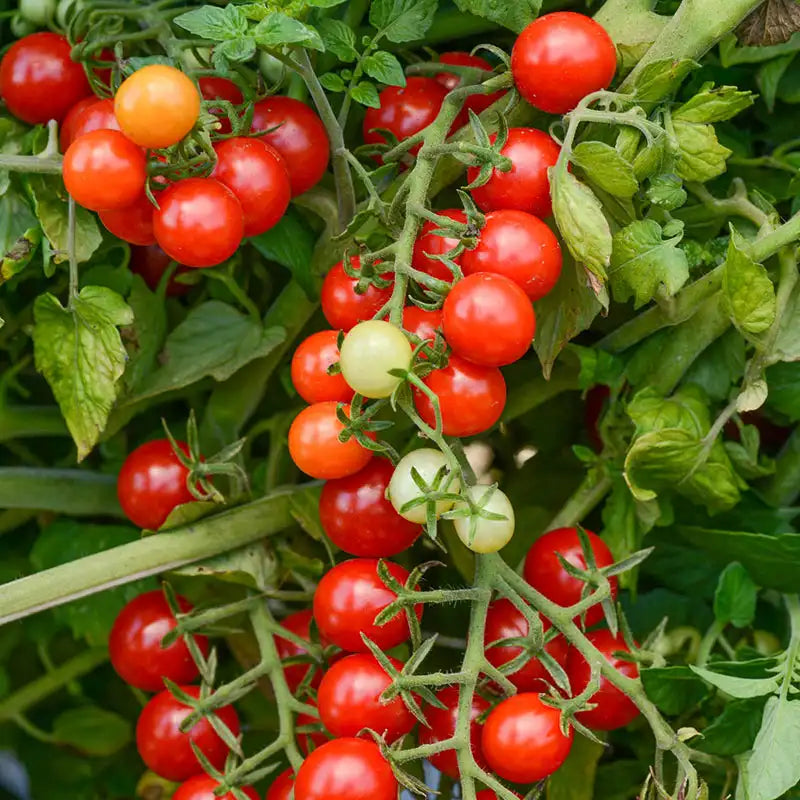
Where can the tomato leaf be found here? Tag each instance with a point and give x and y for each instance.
(661, 78)
(575, 779)
(20, 234)
(338, 39)
(365, 93)
(666, 191)
(735, 597)
(215, 23)
(742, 688)
(605, 167)
(784, 389)
(146, 335)
(385, 68)
(514, 16)
(675, 690)
(700, 155)
(402, 20)
(94, 731)
(773, 768)
(734, 730)
(787, 343)
(714, 105)
(278, 29)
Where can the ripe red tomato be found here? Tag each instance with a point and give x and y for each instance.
(167, 751)
(298, 135)
(298, 623)
(544, 572)
(488, 320)
(315, 447)
(104, 170)
(404, 110)
(257, 175)
(152, 482)
(350, 596)
(96, 117)
(614, 709)
(471, 397)
(201, 787)
(526, 186)
(475, 102)
(39, 81)
(350, 699)
(346, 769)
(442, 722)
(560, 58)
(342, 306)
(311, 740)
(429, 244)
(66, 130)
(199, 223)
(422, 323)
(281, 787)
(521, 247)
(522, 741)
(505, 621)
(135, 644)
(150, 262)
(213, 87)
(134, 223)
(359, 519)
(310, 364)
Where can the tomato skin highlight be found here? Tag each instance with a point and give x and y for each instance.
(309, 369)
(132, 224)
(475, 102)
(201, 787)
(281, 787)
(214, 87)
(342, 306)
(66, 129)
(298, 623)
(39, 81)
(561, 57)
(358, 518)
(150, 261)
(429, 244)
(96, 117)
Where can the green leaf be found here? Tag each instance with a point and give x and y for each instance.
(94, 731)
(332, 82)
(666, 191)
(338, 39)
(735, 597)
(644, 265)
(773, 767)
(514, 16)
(402, 20)
(714, 105)
(214, 23)
(365, 93)
(606, 168)
(675, 690)
(235, 50)
(784, 389)
(147, 334)
(720, 366)
(80, 353)
(742, 688)
(748, 291)
(324, 3)
(734, 730)
(701, 156)
(769, 77)
(278, 29)
(661, 78)
(787, 343)
(385, 68)
(575, 778)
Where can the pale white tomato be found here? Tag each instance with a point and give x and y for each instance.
(486, 535)
(369, 351)
(429, 464)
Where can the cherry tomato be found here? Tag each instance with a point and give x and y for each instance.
(315, 447)
(442, 722)
(135, 644)
(560, 58)
(199, 222)
(257, 175)
(134, 223)
(298, 623)
(521, 247)
(350, 699)
(104, 170)
(342, 305)
(505, 621)
(98, 116)
(213, 87)
(346, 769)
(201, 787)
(488, 320)
(297, 133)
(614, 709)
(167, 751)
(475, 102)
(152, 482)
(404, 110)
(522, 741)
(39, 81)
(431, 466)
(429, 244)
(544, 572)
(281, 787)
(311, 740)
(359, 519)
(310, 364)
(526, 186)
(422, 323)
(371, 351)
(350, 596)
(66, 130)
(483, 535)
(150, 262)
(157, 106)
(471, 397)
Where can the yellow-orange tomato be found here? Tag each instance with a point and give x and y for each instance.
(157, 106)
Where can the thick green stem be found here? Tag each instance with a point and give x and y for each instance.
(50, 165)
(770, 244)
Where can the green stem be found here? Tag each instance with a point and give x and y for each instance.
(594, 487)
(49, 165)
(708, 641)
(22, 422)
(761, 249)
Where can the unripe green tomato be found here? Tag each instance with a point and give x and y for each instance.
(190, 61)
(39, 12)
(368, 352)
(403, 489)
(488, 535)
(66, 10)
(765, 642)
(271, 68)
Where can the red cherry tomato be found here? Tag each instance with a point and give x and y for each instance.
(422, 323)
(135, 644)
(257, 175)
(522, 741)
(152, 482)
(404, 110)
(298, 623)
(544, 572)
(201, 787)
(281, 787)
(521, 247)
(311, 740)
(342, 306)
(614, 709)
(560, 58)
(350, 596)
(429, 244)
(212, 87)
(66, 132)
(315, 447)
(505, 621)
(150, 262)
(104, 170)
(488, 320)
(346, 769)
(298, 135)
(526, 186)
(475, 102)
(39, 81)
(310, 364)
(471, 397)
(199, 223)
(98, 116)
(442, 722)
(359, 519)
(133, 224)
(167, 751)
(350, 699)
